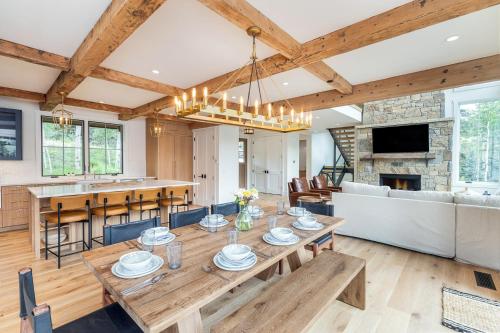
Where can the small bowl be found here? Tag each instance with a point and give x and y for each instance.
(283, 234)
(236, 252)
(158, 232)
(136, 261)
(308, 221)
(220, 217)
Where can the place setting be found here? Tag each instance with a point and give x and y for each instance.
(279, 236)
(308, 223)
(156, 236)
(213, 222)
(136, 264)
(298, 212)
(235, 256)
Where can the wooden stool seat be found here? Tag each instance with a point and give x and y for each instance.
(68, 216)
(172, 201)
(146, 205)
(113, 210)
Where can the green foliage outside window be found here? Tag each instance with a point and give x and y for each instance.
(105, 148)
(480, 142)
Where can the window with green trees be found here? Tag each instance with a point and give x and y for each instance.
(479, 159)
(105, 148)
(62, 148)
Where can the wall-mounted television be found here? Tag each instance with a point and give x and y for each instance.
(11, 134)
(401, 139)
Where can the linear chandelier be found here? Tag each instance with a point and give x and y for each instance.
(245, 114)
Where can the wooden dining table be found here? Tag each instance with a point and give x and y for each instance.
(174, 303)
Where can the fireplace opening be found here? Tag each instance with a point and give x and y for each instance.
(401, 182)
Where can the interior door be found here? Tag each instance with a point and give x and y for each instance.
(274, 164)
(199, 168)
(205, 167)
(260, 164)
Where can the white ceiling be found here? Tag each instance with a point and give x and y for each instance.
(57, 26)
(95, 90)
(335, 117)
(305, 19)
(187, 43)
(26, 76)
(423, 49)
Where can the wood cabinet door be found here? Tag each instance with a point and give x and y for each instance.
(183, 157)
(166, 151)
(15, 206)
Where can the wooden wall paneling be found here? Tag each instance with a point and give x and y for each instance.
(151, 152)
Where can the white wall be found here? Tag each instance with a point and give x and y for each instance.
(320, 150)
(29, 169)
(228, 170)
(291, 160)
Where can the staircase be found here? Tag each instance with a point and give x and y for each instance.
(344, 141)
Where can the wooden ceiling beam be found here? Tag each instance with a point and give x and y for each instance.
(117, 23)
(445, 77)
(244, 15)
(35, 56)
(22, 94)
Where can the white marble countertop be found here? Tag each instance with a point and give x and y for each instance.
(86, 188)
(64, 179)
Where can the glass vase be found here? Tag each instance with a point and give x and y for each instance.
(244, 220)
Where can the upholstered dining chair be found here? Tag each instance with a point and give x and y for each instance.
(147, 200)
(325, 240)
(188, 217)
(228, 208)
(37, 318)
(116, 233)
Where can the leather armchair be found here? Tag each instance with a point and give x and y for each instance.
(299, 187)
(321, 183)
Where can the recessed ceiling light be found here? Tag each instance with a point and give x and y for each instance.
(452, 38)
(155, 71)
(285, 83)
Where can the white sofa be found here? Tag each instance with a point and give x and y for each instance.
(425, 221)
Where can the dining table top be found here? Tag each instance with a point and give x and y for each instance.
(185, 290)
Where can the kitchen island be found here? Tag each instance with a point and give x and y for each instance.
(40, 197)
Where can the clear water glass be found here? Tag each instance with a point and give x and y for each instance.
(147, 241)
(232, 236)
(300, 211)
(212, 222)
(280, 207)
(174, 254)
(271, 222)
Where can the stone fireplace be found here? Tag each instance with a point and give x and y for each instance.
(433, 168)
(401, 182)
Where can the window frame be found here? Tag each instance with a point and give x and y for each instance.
(483, 93)
(105, 124)
(48, 119)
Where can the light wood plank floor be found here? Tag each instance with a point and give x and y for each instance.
(403, 288)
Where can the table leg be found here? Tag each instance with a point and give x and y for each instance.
(294, 261)
(189, 324)
(354, 294)
(268, 273)
(35, 226)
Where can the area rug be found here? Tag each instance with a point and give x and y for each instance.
(465, 312)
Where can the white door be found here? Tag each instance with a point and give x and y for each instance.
(260, 164)
(274, 165)
(204, 166)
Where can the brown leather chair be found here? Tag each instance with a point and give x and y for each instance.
(299, 187)
(321, 183)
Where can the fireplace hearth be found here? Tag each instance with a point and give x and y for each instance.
(401, 182)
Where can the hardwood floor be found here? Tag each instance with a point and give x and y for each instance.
(403, 288)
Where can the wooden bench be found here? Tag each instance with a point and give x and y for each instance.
(295, 302)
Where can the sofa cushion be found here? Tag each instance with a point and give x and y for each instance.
(300, 184)
(423, 195)
(365, 189)
(478, 200)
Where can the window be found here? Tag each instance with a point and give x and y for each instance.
(479, 159)
(62, 148)
(105, 148)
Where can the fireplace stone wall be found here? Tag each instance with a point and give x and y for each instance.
(415, 109)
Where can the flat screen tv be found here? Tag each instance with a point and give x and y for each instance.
(401, 139)
(11, 134)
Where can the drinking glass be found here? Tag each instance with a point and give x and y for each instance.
(212, 222)
(174, 254)
(232, 236)
(300, 211)
(281, 207)
(147, 240)
(271, 222)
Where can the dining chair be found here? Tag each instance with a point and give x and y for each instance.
(116, 233)
(177, 196)
(112, 204)
(192, 216)
(70, 209)
(327, 239)
(149, 200)
(37, 318)
(225, 209)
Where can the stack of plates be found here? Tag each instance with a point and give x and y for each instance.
(270, 239)
(119, 269)
(307, 223)
(220, 221)
(295, 211)
(221, 261)
(159, 236)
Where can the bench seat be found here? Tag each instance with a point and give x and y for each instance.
(293, 303)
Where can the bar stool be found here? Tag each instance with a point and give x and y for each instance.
(71, 209)
(112, 204)
(148, 200)
(175, 197)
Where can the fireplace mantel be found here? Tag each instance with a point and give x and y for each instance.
(398, 156)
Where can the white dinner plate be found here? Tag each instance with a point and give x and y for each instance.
(204, 223)
(317, 226)
(162, 241)
(229, 265)
(291, 212)
(268, 238)
(121, 272)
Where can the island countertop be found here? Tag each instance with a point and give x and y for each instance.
(74, 189)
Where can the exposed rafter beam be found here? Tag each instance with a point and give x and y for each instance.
(244, 15)
(117, 23)
(445, 77)
(39, 97)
